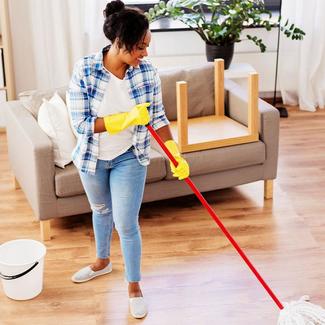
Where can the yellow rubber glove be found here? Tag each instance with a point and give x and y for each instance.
(182, 170)
(118, 122)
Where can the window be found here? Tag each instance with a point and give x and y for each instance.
(142, 4)
(272, 4)
(146, 4)
(166, 24)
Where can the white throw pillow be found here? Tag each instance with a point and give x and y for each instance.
(67, 100)
(53, 119)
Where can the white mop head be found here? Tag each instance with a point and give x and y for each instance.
(301, 312)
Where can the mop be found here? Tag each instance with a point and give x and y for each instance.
(300, 312)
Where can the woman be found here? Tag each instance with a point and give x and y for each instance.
(112, 96)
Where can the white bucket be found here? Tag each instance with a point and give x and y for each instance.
(21, 268)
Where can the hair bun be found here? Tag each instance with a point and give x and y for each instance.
(113, 7)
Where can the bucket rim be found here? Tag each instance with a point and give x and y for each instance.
(44, 249)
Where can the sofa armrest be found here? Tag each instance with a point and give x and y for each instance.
(31, 159)
(236, 107)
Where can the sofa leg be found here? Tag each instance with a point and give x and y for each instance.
(45, 229)
(16, 184)
(268, 189)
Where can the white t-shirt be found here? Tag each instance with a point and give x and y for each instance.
(116, 100)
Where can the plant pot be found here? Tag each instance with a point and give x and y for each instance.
(225, 52)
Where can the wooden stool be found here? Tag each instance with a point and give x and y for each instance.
(219, 130)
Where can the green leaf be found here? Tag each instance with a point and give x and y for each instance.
(228, 19)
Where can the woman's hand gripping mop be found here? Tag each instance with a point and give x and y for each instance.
(298, 312)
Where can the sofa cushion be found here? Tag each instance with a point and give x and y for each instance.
(67, 181)
(157, 167)
(214, 160)
(200, 85)
(33, 99)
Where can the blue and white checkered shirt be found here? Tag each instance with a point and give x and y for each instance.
(86, 91)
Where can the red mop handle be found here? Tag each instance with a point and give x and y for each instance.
(217, 220)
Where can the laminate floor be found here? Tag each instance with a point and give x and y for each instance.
(191, 274)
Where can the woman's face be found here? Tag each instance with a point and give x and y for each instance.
(139, 51)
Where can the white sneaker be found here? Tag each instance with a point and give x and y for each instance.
(138, 307)
(86, 273)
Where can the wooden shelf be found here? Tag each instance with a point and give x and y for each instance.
(8, 86)
(219, 131)
(5, 44)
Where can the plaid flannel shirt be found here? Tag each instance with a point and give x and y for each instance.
(86, 91)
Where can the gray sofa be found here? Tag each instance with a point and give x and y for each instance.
(54, 192)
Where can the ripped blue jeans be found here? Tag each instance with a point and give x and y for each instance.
(115, 194)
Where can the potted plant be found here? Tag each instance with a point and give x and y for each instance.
(220, 22)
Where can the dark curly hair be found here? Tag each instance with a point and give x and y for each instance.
(127, 24)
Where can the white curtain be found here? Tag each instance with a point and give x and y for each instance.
(94, 19)
(302, 63)
(62, 32)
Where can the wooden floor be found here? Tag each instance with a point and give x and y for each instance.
(191, 274)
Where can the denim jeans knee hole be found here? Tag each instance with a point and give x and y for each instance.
(100, 208)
